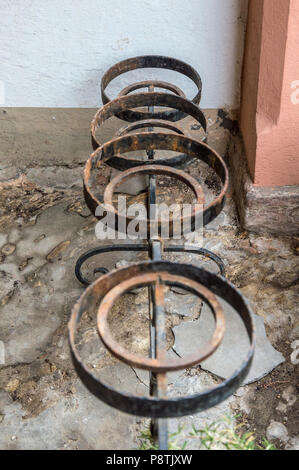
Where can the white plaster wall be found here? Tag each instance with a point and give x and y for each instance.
(54, 52)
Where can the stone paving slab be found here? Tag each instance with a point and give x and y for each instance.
(76, 421)
(233, 349)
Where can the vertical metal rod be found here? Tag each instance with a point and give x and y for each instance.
(158, 382)
(151, 201)
(151, 204)
(150, 153)
(160, 349)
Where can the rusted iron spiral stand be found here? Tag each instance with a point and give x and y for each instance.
(155, 273)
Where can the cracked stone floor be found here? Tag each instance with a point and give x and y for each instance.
(44, 227)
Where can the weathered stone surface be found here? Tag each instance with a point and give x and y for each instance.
(57, 177)
(277, 431)
(75, 421)
(191, 383)
(233, 349)
(184, 305)
(293, 444)
(34, 297)
(295, 353)
(8, 173)
(262, 210)
(43, 136)
(8, 249)
(295, 332)
(289, 398)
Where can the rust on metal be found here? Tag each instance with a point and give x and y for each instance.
(161, 141)
(159, 364)
(142, 131)
(149, 123)
(165, 100)
(154, 406)
(155, 170)
(150, 84)
(145, 62)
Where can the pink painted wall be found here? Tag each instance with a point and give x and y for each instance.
(269, 116)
